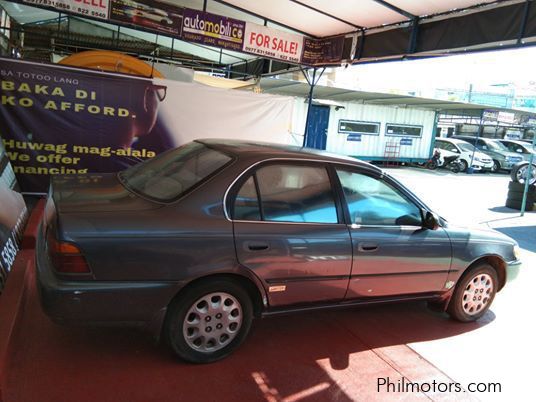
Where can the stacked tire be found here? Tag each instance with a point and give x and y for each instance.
(515, 196)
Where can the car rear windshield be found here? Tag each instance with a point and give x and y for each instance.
(170, 174)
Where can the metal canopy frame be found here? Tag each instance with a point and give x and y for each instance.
(406, 38)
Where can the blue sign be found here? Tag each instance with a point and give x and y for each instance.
(354, 137)
(406, 141)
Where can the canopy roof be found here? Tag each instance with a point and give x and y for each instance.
(373, 30)
(334, 95)
(322, 18)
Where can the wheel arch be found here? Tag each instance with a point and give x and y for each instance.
(257, 294)
(249, 282)
(497, 262)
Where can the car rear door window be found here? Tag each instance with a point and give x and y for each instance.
(246, 206)
(374, 202)
(296, 193)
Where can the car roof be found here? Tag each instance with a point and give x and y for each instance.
(450, 139)
(469, 137)
(515, 141)
(266, 150)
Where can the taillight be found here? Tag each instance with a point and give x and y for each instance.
(66, 257)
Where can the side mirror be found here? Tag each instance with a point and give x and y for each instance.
(431, 220)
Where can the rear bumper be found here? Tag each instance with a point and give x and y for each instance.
(98, 302)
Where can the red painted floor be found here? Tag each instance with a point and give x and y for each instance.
(315, 356)
(325, 356)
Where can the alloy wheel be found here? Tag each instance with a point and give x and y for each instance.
(212, 322)
(477, 294)
(522, 174)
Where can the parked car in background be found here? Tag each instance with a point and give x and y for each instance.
(450, 146)
(519, 147)
(200, 239)
(502, 157)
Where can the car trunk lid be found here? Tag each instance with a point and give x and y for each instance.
(94, 193)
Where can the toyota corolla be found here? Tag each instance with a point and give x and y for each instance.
(199, 240)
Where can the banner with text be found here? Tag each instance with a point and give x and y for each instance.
(269, 42)
(152, 15)
(57, 120)
(62, 120)
(205, 28)
(89, 8)
(13, 214)
(213, 30)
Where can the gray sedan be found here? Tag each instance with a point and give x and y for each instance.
(199, 240)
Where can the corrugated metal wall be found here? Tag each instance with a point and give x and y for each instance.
(371, 146)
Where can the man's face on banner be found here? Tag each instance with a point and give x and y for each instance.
(143, 106)
(146, 113)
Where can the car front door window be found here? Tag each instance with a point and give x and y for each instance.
(374, 202)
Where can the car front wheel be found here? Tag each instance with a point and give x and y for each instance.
(208, 321)
(496, 167)
(474, 293)
(463, 165)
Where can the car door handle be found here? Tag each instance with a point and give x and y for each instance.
(367, 247)
(256, 246)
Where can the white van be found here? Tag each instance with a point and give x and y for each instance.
(464, 150)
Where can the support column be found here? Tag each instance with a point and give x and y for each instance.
(527, 177)
(312, 83)
(480, 125)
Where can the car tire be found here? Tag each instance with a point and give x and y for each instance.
(431, 165)
(518, 173)
(516, 196)
(496, 166)
(519, 187)
(474, 293)
(463, 165)
(517, 205)
(208, 320)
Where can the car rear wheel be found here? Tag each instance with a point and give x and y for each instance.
(474, 293)
(208, 321)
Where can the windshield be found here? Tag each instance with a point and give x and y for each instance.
(465, 146)
(174, 172)
(496, 146)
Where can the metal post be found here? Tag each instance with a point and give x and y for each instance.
(470, 167)
(309, 103)
(527, 178)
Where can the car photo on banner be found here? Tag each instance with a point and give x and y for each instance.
(152, 15)
(13, 215)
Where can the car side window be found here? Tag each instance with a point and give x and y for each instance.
(372, 201)
(246, 206)
(296, 193)
(440, 145)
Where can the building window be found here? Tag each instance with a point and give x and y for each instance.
(403, 130)
(358, 127)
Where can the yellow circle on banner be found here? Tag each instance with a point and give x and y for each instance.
(105, 60)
